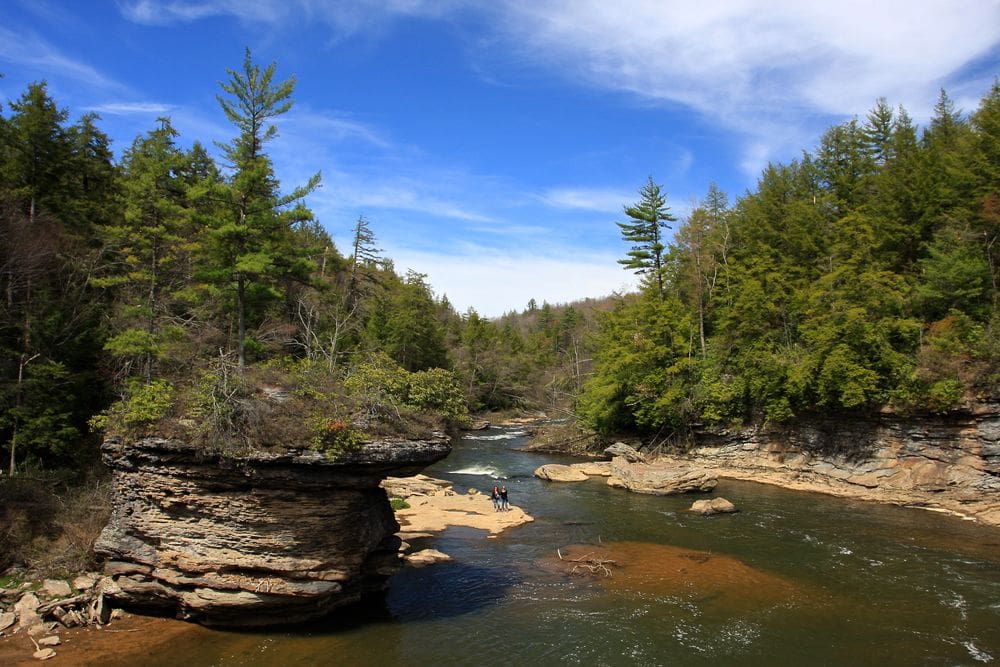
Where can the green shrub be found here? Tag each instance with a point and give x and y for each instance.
(335, 437)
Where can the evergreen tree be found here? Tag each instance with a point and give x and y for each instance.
(252, 246)
(146, 249)
(649, 217)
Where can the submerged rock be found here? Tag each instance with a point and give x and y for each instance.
(660, 478)
(713, 506)
(267, 539)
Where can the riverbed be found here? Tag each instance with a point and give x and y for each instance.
(793, 578)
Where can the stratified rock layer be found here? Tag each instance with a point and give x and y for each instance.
(265, 539)
(949, 463)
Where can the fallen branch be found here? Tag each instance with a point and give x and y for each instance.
(66, 602)
(592, 565)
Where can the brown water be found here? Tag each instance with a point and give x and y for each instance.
(792, 579)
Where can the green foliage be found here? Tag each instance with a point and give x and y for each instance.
(142, 406)
(147, 403)
(384, 389)
(436, 390)
(398, 504)
(335, 437)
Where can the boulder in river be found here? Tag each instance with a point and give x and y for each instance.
(555, 472)
(717, 505)
(427, 557)
(660, 478)
(594, 468)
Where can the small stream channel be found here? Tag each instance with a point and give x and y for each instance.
(792, 579)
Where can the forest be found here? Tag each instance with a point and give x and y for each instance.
(861, 277)
(168, 290)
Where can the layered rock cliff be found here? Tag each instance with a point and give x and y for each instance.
(946, 462)
(265, 539)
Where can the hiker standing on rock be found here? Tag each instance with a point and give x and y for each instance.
(504, 505)
(495, 497)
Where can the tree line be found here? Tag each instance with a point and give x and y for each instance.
(863, 276)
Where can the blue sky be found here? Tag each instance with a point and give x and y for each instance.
(492, 144)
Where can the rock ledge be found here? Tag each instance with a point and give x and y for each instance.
(265, 539)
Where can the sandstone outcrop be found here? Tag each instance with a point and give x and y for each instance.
(554, 472)
(432, 514)
(660, 478)
(594, 468)
(949, 463)
(269, 538)
(713, 506)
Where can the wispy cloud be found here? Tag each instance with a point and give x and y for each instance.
(129, 108)
(602, 200)
(28, 51)
(345, 16)
(332, 127)
(759, 67)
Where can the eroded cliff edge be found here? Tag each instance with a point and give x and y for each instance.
(946, 462)
(262, 539)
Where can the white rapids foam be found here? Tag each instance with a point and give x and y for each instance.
(509, 435)
(484, 471)
(977, 653)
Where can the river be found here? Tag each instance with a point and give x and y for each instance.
(792, 579)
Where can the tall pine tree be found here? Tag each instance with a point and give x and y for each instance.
(252, 246)
(648, 218)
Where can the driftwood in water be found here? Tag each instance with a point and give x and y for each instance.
(589, 563)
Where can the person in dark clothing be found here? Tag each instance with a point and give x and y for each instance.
(504, 504)
(495, 497)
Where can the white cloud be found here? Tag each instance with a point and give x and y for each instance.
(129, 108)
(30, 52)
(330, 126)
(495, 283)
(345, 16)
(602, 200)
(760, 68)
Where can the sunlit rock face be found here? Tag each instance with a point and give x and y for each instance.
(949, 462)
(269, 538)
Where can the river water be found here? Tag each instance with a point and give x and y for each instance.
(793, 579)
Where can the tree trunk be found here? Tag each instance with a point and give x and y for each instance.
(18, 401)
(241, 288)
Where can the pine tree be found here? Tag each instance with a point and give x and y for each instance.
(252, 246)
(649, 217)
(145, 249)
